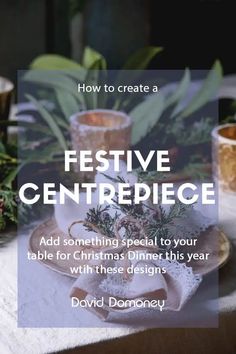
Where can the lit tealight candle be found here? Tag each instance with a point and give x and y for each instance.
(100, 129)
(224, 156)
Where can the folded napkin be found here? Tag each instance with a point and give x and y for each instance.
(175, 286)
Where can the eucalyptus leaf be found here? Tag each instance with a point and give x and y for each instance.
(93, 59)
(54, 62)
(78, 75)
(67, 103)
(127, 101)
(141, 59)
(145, 116)
(132, 70)
(181, 89)
(98, 65)
(11, 176)
(91, 98)
(206, 92)
(43, 155)
(58, 62)
(53, 79)
(32, 126)
(61, 121)
(50, 121)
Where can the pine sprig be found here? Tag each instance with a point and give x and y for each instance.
(101, 218)
(12, 209)
(132, 209)
(149, 176)
(177, 210)
(153, 220)
(8, 207)
(157, 227)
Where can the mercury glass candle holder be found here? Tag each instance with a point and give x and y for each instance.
(99, 129)
(224, 157)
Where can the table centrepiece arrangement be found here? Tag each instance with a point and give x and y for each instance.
(73, 225)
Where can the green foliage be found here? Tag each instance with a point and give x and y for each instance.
(141, 59)
(67, 103)
(198, 132)
(154, 221)
(58, 78)
(154, 115)
(157, 228)
(149, 176)
(8, 170)
(176, 126)
(12, 210)
(53, 79)
(196, 169)
(100, 218)
(145, 116)
(206, 92)
(50, 122)
(180, 91)
(62, 77)
(8, 207)
(8, 164)
(54, 62)
(93, 60)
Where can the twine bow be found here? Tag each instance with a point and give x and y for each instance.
(126, 221)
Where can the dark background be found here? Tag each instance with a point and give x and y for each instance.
(193, 32)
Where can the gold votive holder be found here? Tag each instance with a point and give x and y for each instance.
(6, 91)
(224, 157)
(99, 129)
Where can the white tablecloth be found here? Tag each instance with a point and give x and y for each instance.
(32, 340)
